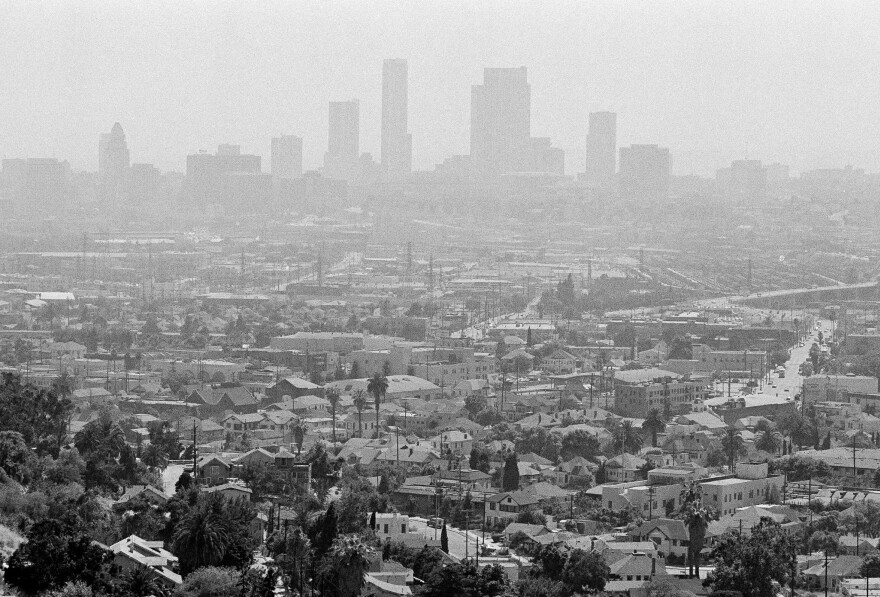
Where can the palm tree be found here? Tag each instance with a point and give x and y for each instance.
(141, 582)
(654, 424)
(154, 457)
(333, 398)
(200, 540)
(360, 402)
(733, 445)
(377, 386)
(348, 560)
(696, 516)
(627, 438)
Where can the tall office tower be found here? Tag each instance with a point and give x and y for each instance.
(208, 177)
(644, 173)
(287, 157)
(501, 122)
(396, 141)
(343, 149)
(601, 150)
(744, 182)
(113, 163)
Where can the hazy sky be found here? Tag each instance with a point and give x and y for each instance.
(795, 82)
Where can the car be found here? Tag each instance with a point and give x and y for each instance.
(788, 389)
(774, 385)
(435, 523)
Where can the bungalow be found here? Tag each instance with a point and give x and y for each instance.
(457, 441)
(292, 387)
(835, 571)
(506, 507)
(243, 423)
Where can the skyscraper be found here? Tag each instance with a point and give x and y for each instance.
(644, 173)
(396, 141)
(113, 163)
(287, 156)
(601, 150)
(343, 148)
(501, 122)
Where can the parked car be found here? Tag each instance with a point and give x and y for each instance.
(435, 523)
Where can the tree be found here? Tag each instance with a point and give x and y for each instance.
(333, 399)
(154, 457)
(579, 443)
(479, 459)
(55, 554)
(551, 560)
(627, 438)
(733, 445)
(696, 516)
(654, 424)
(141, 581)
(201, 538)
(184, 482)
(751, 563)
(531, 517)
(444, 539)
(825, 541)
(360, 402)
(40, 416)
(871, 566)
(343, 570)
(826, 443)
(377, 386)
(16, 459)
(768, 442)
(510, 478)
(680, 348)
(474, 404)
(585, 571)
(210, 581)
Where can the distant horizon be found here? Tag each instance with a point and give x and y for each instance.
(781, 83)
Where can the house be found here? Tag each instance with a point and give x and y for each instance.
(467, 478)
(239, 424)
(577, 470)
(134, 552)
(505, 507)
(559, 362)
(292, 387)
(635, 566)
(309, 404)
(149, 493)
(213, 470)
(390, 525)
(457, 441)
(222, 398)
(836, 570)
(467, 388)
(670, 535)
(624, 468)
(256, 457)
(230, 491)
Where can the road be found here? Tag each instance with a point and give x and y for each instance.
(456, 537)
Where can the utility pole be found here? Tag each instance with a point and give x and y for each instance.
(195, 457)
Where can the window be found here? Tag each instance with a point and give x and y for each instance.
(403, 529)
(214, 471)
(385, 527)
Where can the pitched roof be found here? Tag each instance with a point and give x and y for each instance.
(671, 527)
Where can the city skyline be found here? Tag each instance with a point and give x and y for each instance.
(762, 93)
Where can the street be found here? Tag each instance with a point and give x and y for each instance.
(456, 537)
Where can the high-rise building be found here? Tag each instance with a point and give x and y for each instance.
(38, 185)
(113, 163)
(744, 182)
(601, 161)
(396, 141)
(343, 148)
(287, 156)
(206, 174)
(501, 122)
(644, 173)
